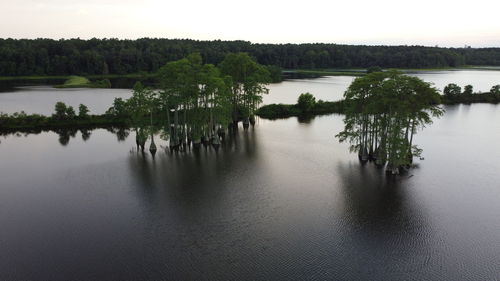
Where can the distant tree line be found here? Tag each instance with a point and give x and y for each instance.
(114, 56)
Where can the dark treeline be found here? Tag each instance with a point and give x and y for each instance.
(113, 56)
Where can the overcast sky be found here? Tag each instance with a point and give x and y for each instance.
(389, 22)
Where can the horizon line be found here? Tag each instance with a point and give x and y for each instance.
(248, 41)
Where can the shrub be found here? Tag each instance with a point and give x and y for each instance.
(83, 111)
(60, 111)
(306, 102)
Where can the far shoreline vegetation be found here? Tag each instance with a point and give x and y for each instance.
(42, 57)
(277, 74)
(357, 72)
(65, 77)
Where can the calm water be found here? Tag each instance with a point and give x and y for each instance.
(282, 201)
(41, 99)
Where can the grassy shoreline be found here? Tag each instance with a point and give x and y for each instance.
(82, 82)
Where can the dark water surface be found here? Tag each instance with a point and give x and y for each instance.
(282, 201)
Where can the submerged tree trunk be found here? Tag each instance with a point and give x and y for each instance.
(152, 146)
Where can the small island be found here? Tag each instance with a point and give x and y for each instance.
(307, 105)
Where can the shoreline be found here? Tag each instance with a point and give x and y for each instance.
(64, 77)
(357, 72)
(22, 122)
(278, 111)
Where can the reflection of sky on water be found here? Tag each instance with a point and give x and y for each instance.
(282, 201)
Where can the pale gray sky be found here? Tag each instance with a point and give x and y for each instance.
(424, 22)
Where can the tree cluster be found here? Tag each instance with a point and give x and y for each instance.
(306, 102)
(383, 112)
(452, 94)
(195, 102)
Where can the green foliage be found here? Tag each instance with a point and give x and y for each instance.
(76, 81)
(452, 91)
(243, 69)
(22, 120)
(60, 111)
(275, 72)
(274, 111)
(495, 90)
(104, 83)
(372, 69)
(140, 104)
(474, 98)
(247, 81)
(452, 95)
(383, 112)
(82, 82)
(83, 111)
(199, 93)
(114, 56)
(64, 117)
(70, 112)
(63, 112)
(119, 108)
(468, 89)
(306, 102)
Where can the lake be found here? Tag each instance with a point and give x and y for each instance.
(281, 201)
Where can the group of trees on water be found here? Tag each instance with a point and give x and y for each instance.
(195, 102)
(383, 112)
(64, 112)
(114, 56)
(452, 93)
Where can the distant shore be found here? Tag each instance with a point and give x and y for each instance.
(65, 77)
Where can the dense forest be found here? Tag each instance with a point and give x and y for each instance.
(114, 56)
